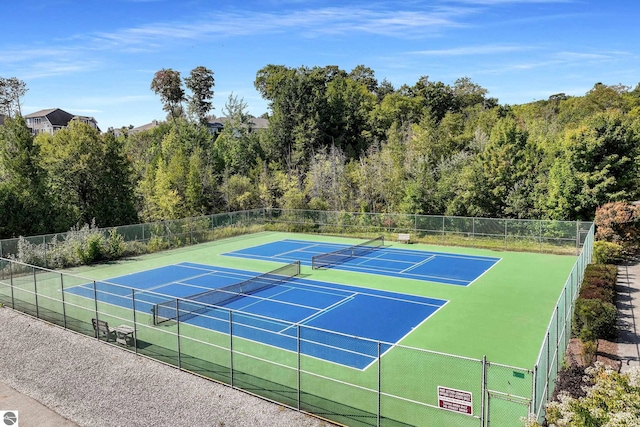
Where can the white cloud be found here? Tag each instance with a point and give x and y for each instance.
(472, 50)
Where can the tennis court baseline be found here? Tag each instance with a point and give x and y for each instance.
(451, 269)
(326, 316)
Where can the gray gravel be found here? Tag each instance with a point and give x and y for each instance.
(95, 384)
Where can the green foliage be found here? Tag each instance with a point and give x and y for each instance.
(115, 245)
(607, 252)
(168, 85)
(594, 319)
(617, 226)
(612, 399)
(91, 250)
(200, 82)
(88, 176)
(595, 312)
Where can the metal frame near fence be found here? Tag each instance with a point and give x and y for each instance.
(292, 379)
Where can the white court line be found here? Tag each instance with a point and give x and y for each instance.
(366, 259)
(418, 264)
(322, 311)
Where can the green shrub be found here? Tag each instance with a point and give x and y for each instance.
(116, 246)
(606, 271)
(594, 319)
(91, 249)
(594, 291)
(156, 244)
(607, 252)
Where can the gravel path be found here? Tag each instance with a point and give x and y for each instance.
(95, 384)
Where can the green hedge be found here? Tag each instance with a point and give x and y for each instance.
(595, 312)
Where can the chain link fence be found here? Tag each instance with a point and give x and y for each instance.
(491, 233)
(552, 352)
(283, 362)
(140, 238)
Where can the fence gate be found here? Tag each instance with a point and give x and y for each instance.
(502, 409)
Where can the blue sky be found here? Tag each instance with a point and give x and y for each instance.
(98, 57)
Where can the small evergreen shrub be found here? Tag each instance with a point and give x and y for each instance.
(594, 319)
(607, 252)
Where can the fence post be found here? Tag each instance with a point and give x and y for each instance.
(540, 236)
(13, 301)
(535, 390)
(44, 245)
(135, 326)
(506, 221)
(484, 393)
(64, 305)
(35, 292)
(578, 237)
(178, 332)
(95, 302)
(299, 367)
(473, 232)
(379, 385)
(231, 346)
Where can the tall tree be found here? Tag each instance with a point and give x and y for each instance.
(200, 82)
(25, 207)
(168, 85)
(88, 177)
(12, 90)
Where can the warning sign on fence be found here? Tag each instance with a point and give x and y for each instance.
(455, 400)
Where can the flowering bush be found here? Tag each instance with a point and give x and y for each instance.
(612, 400)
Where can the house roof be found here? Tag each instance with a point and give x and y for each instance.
(56, 116)
(148, 126)
(254, 122)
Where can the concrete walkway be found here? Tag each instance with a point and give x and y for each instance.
(31, 413)
(629, 315)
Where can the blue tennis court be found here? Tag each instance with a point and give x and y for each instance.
(451, 269)
(326, 316)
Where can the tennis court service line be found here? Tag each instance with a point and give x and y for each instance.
(293, 251)
(418, 264)
(260, 299)
(328, 309)
(209, 272)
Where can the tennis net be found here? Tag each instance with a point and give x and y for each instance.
(182, 309)
(342, 255)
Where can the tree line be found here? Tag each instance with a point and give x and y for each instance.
(337, 140)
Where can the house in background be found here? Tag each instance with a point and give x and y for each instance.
(54, 119)
(148, 126)
(216, 125)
